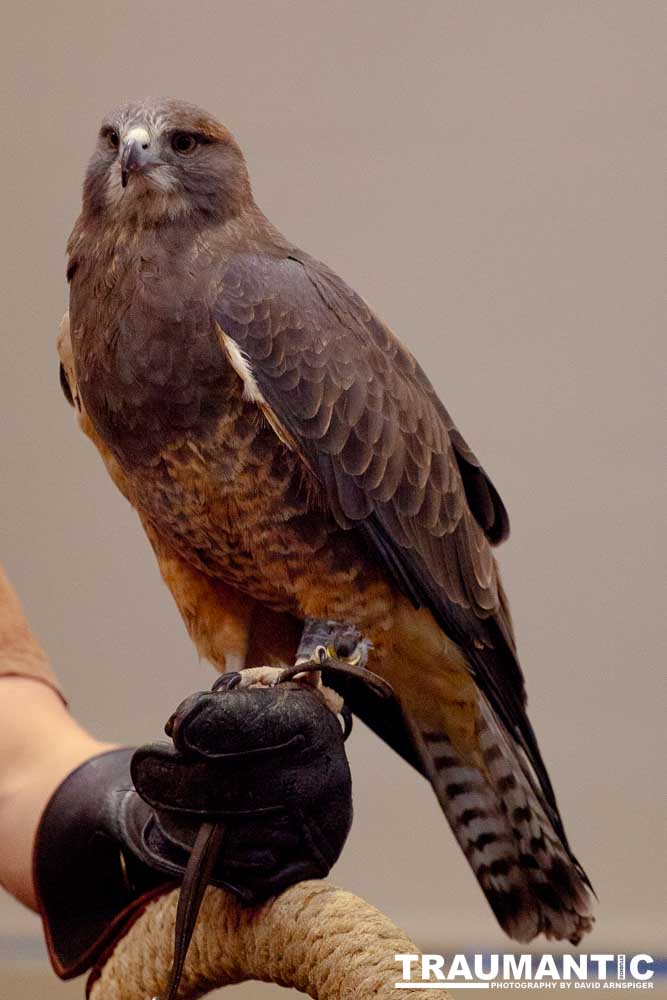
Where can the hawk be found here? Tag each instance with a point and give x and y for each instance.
(290, 460)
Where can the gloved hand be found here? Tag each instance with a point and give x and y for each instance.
(268, 764)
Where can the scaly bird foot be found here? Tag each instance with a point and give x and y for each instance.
(259, 676)
(270, 676)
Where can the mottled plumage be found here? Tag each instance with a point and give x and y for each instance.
(289, 459)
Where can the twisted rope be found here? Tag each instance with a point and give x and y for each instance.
(323, 941)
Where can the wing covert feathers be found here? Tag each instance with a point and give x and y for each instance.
(362, 413)
(391, 462)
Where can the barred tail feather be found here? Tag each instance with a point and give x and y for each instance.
(524, 866)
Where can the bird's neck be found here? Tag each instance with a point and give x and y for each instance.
(245, 229)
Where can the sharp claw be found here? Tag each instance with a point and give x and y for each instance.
(226, 682)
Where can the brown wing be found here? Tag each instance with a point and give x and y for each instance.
(393, 465)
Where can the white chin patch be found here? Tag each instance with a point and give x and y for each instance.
(156, 192)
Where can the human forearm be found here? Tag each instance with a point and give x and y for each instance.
(40, 743)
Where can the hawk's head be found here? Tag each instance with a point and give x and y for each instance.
(161, 159)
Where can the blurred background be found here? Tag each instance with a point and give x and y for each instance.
(489, 176)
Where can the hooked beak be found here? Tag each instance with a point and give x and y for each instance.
(136, 157)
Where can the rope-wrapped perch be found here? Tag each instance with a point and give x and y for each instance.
(323, 941)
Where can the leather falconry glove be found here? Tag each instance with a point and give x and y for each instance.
(254, 791)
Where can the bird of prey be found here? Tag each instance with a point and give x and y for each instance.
(290, 461)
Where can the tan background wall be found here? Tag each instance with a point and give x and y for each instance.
(488, 175)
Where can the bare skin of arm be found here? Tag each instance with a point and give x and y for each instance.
(40, 744)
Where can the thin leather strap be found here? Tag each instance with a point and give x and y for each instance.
(195, 879)
(376, 683)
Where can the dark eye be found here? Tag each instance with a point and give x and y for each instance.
(184, 143)
(111, 137)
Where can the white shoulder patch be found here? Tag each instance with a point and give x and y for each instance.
(241, 366)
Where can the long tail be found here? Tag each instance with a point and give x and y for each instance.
(531, 879)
